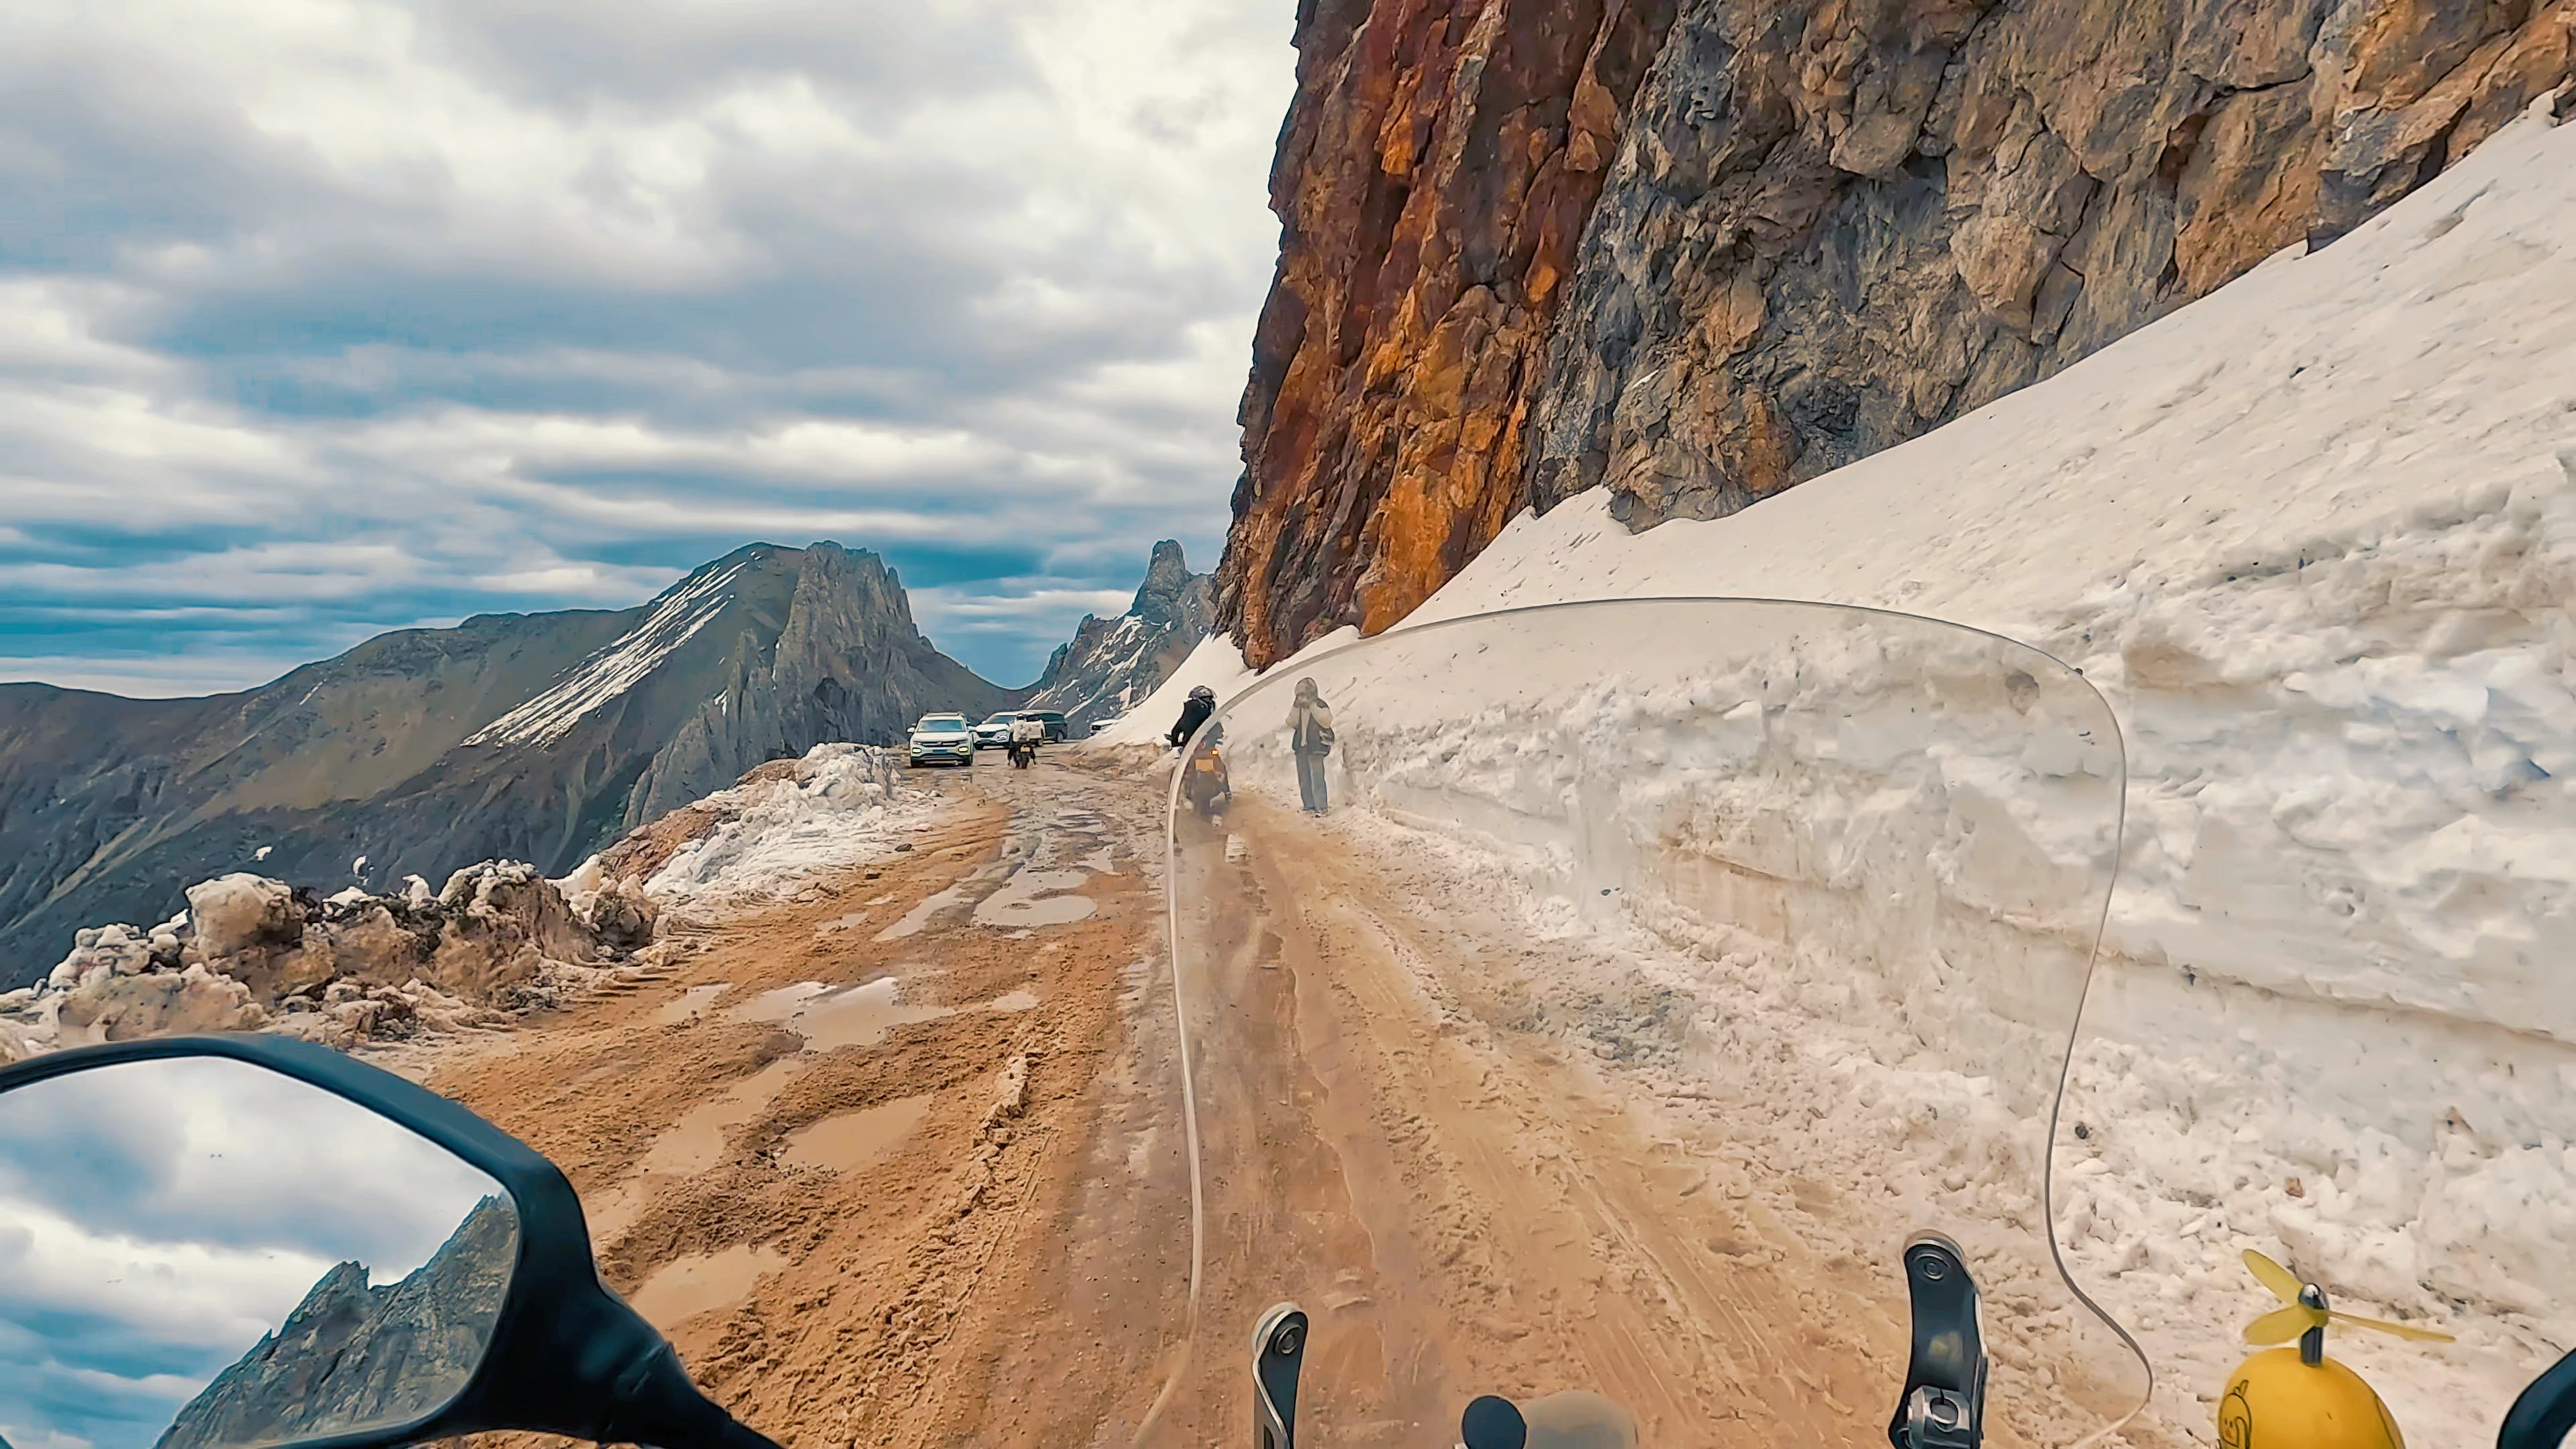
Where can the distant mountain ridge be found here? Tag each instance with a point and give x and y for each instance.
(535, 737)
(1113, 664)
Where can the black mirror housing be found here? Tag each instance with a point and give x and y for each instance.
(567, 1355)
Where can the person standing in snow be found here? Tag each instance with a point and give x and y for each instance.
(1201, 704)
(1310, 739)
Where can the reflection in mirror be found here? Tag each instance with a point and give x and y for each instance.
(199, 1253)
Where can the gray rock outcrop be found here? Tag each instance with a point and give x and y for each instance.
(1832, 228)
(1698, 251)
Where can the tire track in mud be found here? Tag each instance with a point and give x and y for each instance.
(1522, 1230)
(1534, 1215)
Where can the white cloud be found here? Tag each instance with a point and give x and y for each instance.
(515, 307)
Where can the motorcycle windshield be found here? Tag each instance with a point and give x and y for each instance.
(1600, 997)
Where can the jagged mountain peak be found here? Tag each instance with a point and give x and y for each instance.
(1113, 663)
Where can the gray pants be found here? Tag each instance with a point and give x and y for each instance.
(1310, 781)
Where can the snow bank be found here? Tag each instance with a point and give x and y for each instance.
(841, 805)
(2315, 538)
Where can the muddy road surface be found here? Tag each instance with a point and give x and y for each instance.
(895, 1162)
(902, 1161)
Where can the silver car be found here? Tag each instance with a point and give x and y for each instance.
(995, 731)
(942, 739)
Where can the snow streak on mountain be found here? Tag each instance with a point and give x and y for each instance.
(675, 619)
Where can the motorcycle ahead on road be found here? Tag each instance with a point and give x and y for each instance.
(1662, 1043)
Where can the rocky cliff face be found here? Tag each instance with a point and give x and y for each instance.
(1111, 664)
(1807, 231)
(355, 1356)
(533, 738)
(1432, 183)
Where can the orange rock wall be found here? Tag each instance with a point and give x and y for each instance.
(1432, 184)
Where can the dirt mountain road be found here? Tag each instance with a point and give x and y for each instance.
(894, 1163)
(902, 1161)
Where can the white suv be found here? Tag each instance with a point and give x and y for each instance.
(942, 738)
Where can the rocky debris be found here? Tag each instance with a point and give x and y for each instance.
(622, 916)
(1808, 232)
(1111, 664)
(254, 954)
(354, 1355)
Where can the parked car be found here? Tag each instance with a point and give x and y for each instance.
(1104, 726)
(995, 731)
(942, 738)
(1056, 728)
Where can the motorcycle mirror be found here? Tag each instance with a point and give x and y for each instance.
(237, 1241)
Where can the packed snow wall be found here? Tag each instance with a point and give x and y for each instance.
(2314, 537)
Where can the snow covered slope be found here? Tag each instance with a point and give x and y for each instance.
(671, 621)
(2315, 537)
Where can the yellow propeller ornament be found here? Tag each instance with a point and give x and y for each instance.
(2297, 1398)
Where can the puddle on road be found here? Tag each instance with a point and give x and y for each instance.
(855, 1139)
(697, 1141)
(919, 916)
(1021, 1000)
(829, 1017)
(1031, 898)
(686, 1287)
(691, 1003)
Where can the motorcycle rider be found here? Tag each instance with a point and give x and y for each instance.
(1201, 704)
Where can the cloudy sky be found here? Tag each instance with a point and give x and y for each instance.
(325, 317)
(156, 1218)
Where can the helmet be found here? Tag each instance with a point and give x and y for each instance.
(1203, 692)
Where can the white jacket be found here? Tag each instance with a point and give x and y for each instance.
(1304, 723)
(1028, 731)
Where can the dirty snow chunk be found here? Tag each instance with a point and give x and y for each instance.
(348, 897)
(780, 833)
(163, 1003)
(583, 883)
(617, 667)
(99, 952)
(416, 892)
(234, 912)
